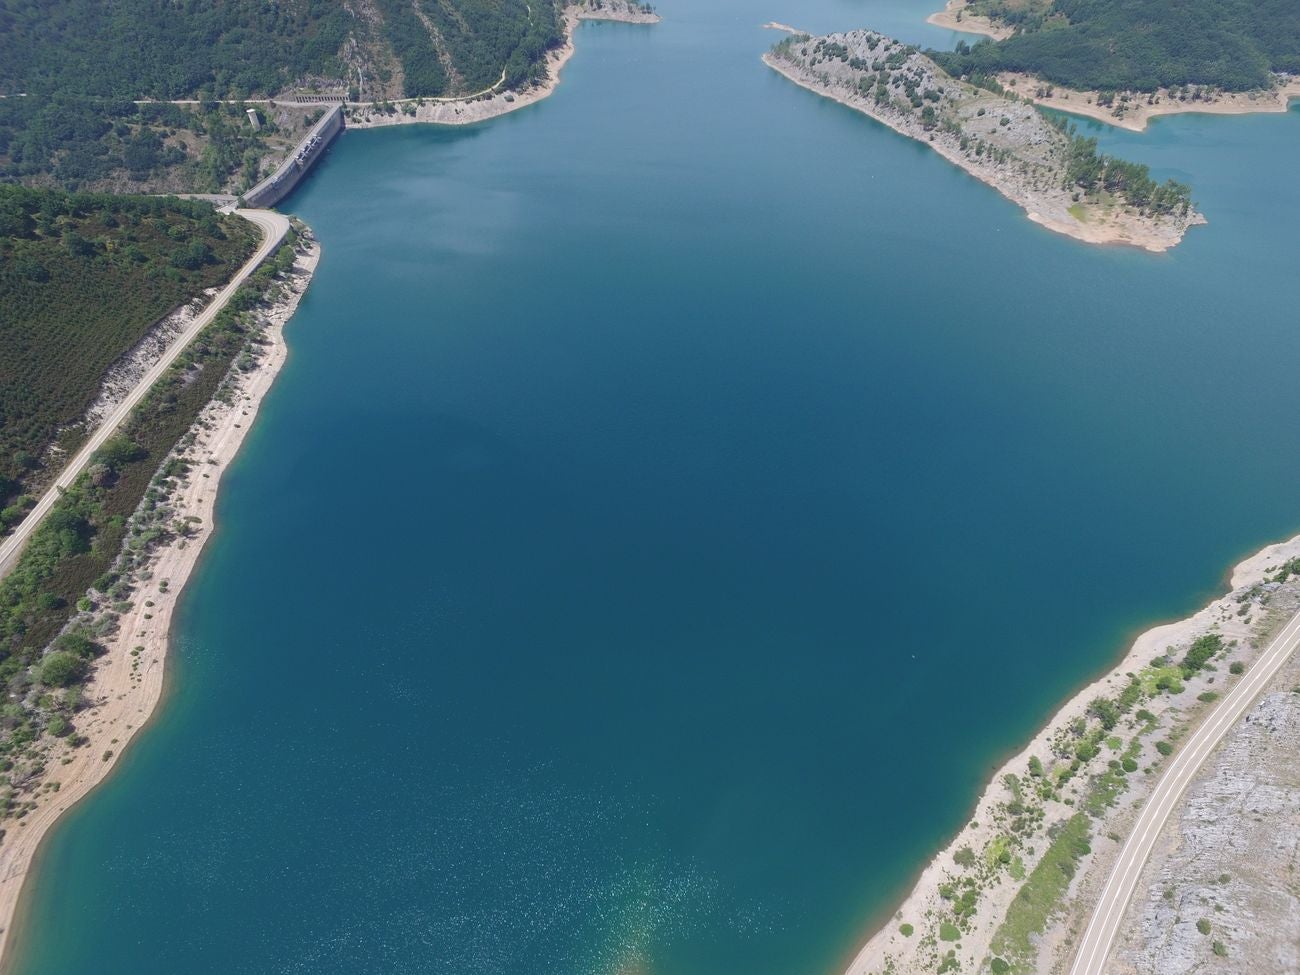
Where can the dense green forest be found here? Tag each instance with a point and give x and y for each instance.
(1138, 45)
(82, 278)
(466, 47)
(160, 49)
(82, 65)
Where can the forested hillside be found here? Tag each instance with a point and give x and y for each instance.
(84, 64)
(82, 278)
(133, 49)
(119, 146)
(1139, 45)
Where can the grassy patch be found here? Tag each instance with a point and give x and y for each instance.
(1041, 895)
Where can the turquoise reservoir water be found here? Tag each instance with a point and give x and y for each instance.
(680, 495)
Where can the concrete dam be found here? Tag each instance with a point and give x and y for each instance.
(279, 184)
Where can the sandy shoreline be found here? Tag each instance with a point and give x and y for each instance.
(887, 944)
(126, 686)
(1137, 114)
(953, 17)
(1048, 209)
(480, 109)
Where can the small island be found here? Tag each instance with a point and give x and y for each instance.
(1056, 175)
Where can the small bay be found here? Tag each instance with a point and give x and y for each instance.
(680, 495)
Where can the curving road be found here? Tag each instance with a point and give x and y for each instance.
(1095, 947)
(274, 226)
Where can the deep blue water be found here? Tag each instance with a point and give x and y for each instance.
(680, 495)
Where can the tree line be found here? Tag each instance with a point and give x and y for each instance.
(1138, 45)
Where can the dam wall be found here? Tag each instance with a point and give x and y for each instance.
(281, 183)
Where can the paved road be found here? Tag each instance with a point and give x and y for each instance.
(1095, 947)
(274, 226)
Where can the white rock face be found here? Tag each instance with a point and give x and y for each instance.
(1230, 860)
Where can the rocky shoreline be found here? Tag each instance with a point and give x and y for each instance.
(1001, 140)
(1016, 830)
(1135, 110)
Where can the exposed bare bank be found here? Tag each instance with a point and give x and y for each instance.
(957, 16)
(1134, 110)
(490, 104)
(127, 682)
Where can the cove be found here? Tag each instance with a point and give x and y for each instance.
(680, 494)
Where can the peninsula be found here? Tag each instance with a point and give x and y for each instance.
(1057, 176)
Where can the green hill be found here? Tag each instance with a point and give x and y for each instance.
(83, 65)
(82, 279)
(133, 49)
(1138, 45)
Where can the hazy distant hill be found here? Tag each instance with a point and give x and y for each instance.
(83, 63)
(239, 48)
(1139, 45)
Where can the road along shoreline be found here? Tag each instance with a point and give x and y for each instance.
(274, 227)
(128, 680)
(912, 937)
(1099, 937)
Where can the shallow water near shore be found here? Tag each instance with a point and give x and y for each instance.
(680, 495)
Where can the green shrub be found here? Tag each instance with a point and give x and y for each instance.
(1200, 652)
(1237, 667)
(1203, 926)
(949, 932)
(1164, 748)
(905, 930)
(61, 668)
